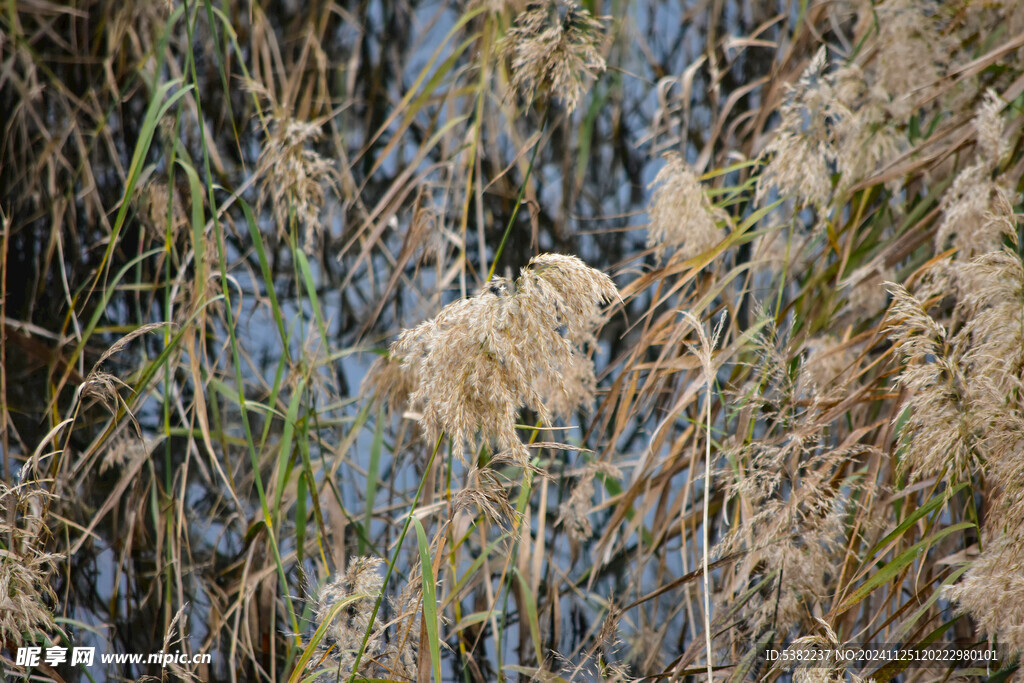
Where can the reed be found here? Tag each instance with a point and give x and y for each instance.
(502, 341)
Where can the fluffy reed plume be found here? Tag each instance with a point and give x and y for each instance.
(830, 363)
(389, 381)
(125, 450)
(26, 592)
(293, 176)
(802, 149)
(103, 388)
(795, 531)
(791, 528)
(574, 512)
(992, 591)
(554, 48)
(913, 53)
(961, 380)
(977, 208)
(941, 422)
(825, 670)
(346, 604)
(400, 657)
(866, 138)
(990, 130)
(596, 664)
(836, 120)
(866, 289)
(990, 349)
(484, 492)
(991, 302)
(681, 215)
(355, 592)
(571, 390)
(156, 205)
(482, 359)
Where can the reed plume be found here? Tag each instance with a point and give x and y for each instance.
(512, 346)
(681, 215)
(554, 48)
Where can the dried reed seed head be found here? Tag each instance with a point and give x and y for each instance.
(389, 381)
(916, 334)
(799, 539)
(561, 290)
(25, 567)
(293, 176)
(801, 151)
(912, 53)
(808, 669)
(126, 450)
(103, 387)
(482, 359)
(990, 354)
(977, 214)
(401, 656)
(484, 493)
(573, 389)
(471, 378)
(798, 168)
(793, 514)
(344, 635)
(978, 209)
(830, 121)
(830, 362)
(156, 205)
(849, 86)
(681, 215)
(554, 48)
(866, 139)
(574, 512)
(990, 130)
(956, 382)
(991, 281)
(866, 286)
(992, 591)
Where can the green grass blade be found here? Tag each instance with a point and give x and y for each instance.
(531, 613)
(894, 567)
(917, 514)
(284, 457)
(371, 477)
(321, 631)
(429, 599)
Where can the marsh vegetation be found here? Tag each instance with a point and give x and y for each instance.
(500, 341)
